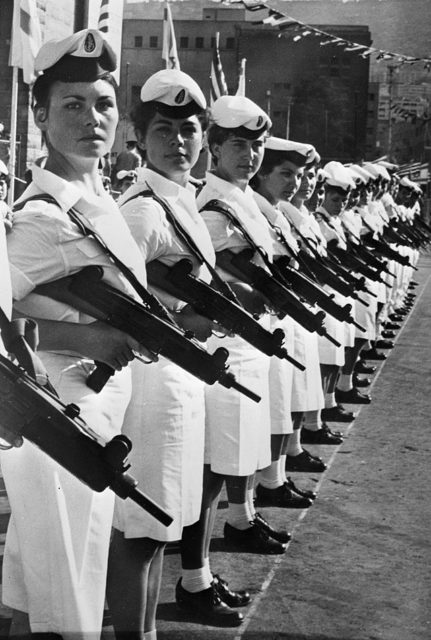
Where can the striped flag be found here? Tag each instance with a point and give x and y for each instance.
(241, 80)
(103, 23)
(169, 51)
(26, 38)
(218, 81)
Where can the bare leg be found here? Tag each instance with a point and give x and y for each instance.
(132, 584)
(20, 626)
(196, 538)
(153, 589)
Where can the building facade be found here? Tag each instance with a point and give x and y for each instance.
(314, 93)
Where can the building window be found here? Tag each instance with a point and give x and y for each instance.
(213, 41)
(230, 43)
(154, 42)
(184, 42)
(199, 43)
(138, 41)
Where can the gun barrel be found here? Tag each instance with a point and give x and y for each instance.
(295, 363)
(131, 490)
(331, 339)
(229, 381)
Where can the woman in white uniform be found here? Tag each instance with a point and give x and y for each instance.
(276, 181)
(337, 189)
(55, 560)
(237, 429)
(166, 417)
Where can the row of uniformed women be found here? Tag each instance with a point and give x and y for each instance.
(188, 440)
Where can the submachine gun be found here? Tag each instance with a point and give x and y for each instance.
(216, 306)
(35, 413)
(88, 292)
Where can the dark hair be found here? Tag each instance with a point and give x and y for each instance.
(218, 135)
(4, 177)
(41, 92)
(143, 112)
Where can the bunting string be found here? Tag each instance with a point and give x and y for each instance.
(290, 27)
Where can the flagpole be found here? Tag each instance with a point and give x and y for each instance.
(13, 121)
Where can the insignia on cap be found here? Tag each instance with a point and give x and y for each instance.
(89, 44)
(179, 98)
(259, 122)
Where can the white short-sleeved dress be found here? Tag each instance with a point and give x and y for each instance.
(166, 416)
(307, 393)
(280, 371)
(237, 429)
(57, 541)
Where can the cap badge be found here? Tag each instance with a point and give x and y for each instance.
(179, 98)
(259, 122)
(89, 44)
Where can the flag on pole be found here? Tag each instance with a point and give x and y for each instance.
(241, 80)
(218, 80)
(26, 38)
(103, 23)
(169, 51)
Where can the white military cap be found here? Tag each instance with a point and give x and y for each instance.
(406, 182)
(173, 89)
(322, 175)
(381, 171)
(360, 174)
(3, 168)
(126, 174)
(85, 53)
(234, 112)
(339, 176)
(390, 166)
(373, 169)
(307, 151)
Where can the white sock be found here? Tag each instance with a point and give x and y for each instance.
(150, 635)
(282, 470)
(312, 420)
(239, 515)
(345, 382)
(194, 580)
(250, 502)
(330, 400)
(269, 477)
(294, 447)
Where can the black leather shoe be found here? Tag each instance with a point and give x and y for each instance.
(352, 396)
(254, 539)
(334, 432)
(362, 367)
(281, 497)
(321, 436)
(306, 493)
(402, 311)
(361, 382)
(394, 317)
(231, 598)
(373, 354)
(305, 462)
(384, 344)
(281, 535)
(413, 284)
(207, 607)
(392, 325)
(337, 414)
(388, 335)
